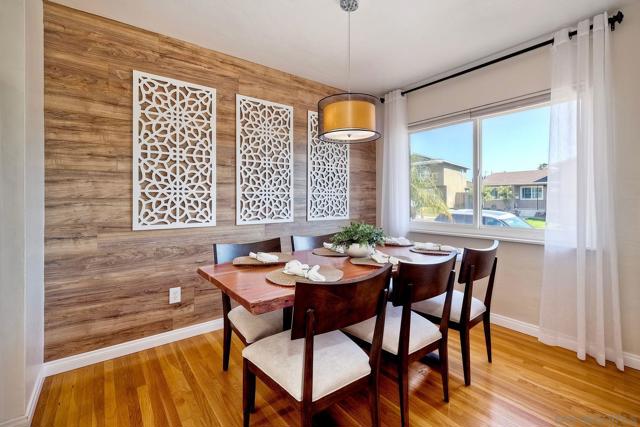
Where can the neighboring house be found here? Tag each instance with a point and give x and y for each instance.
(528, 192)
(449, 178)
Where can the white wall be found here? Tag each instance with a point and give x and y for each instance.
(21, 207)
(12, 244)
(519, 278)
(525, 74)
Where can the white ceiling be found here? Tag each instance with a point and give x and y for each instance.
(394, 42)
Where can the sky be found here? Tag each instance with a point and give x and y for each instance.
(510, 142)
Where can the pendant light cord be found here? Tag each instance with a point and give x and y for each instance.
(349, 51)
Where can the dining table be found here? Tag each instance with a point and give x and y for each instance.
(248, 286)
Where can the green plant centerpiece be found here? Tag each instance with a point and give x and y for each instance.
(359, 239)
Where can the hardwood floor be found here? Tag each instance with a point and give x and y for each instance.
(182, 383)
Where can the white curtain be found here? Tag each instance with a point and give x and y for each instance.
(580, 305)
(395, 166)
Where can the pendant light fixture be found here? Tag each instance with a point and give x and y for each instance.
(348, 118)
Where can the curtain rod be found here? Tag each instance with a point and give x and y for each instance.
(617, 18)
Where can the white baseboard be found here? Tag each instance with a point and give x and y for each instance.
(22, 421)
(35, 394)
(516, 325)
(84, 359)
(25, 420)
(631, 360)
(100, 355)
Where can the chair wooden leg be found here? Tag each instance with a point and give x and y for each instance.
(443, 354)
(374, 401)
(306, 416)
(226, 342)
(466, 356)
(248, 393)
(226, 345)
(403, 387)
(487, 335)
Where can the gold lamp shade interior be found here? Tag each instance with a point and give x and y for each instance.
(347, 118)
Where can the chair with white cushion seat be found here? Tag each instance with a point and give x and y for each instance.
(467, 311)
(315, 364)
(407, 336)
(248, 327)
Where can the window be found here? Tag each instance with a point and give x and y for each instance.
(532, 193)
(441, 174)
(510, 151)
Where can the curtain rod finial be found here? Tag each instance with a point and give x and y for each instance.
(617, 18)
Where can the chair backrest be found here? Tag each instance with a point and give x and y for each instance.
(482, 261)
(305, 243)
(338, 305)
(417, 282)
(226, 252)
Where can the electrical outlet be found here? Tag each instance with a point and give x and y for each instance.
(174, 295)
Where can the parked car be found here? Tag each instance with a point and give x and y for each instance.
(489, 218)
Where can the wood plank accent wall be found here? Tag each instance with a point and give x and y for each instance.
(104, 283)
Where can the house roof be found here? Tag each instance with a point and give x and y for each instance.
(419, 159)
(537, 176)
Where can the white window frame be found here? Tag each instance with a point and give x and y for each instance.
(475, 116)
(532, 187)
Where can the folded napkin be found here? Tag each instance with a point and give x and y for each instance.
(427, 246)
(397, 241)
(296, 268)
(333, 247)
(264, 257)
(435, 247)
(382, 258)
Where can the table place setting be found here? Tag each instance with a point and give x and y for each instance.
(435, 249)
(295, 271)
(378, 259)
(329, 249)
(397, 241)
(263, 258)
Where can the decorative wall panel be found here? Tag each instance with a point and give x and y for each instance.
(174, 153)
(327, 176)
(264, 156)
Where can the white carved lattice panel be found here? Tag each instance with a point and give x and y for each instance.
(327, 176)
(264, 156)
(174, 153)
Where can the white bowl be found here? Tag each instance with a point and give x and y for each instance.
(357, 250)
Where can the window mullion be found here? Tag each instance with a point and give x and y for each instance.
(477, 179)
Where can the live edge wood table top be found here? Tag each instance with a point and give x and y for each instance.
(248, 286)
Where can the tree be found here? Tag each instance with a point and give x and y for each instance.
(542, 166)
(505, 193)
(425, 193)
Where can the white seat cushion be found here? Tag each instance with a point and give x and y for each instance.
(421, 333)
(434, 306)
(255, 327)
(337, 362)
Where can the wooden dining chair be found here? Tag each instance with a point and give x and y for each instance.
(316, 365)
(467, 311)
(407, 336)
(248, 327)
(306, 243)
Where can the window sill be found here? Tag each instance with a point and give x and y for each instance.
(531, 237)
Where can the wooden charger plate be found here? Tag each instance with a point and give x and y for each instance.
(327, 252)
(429, 252)
(278, 277)
(369, 261)
(283, 258)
